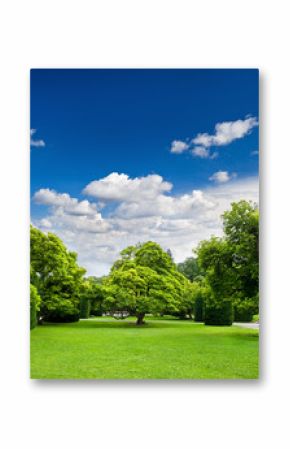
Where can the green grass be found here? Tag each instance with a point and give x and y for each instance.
(103, 348)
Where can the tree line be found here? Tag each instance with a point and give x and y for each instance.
(216, 286)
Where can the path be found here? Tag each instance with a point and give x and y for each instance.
(248, 325)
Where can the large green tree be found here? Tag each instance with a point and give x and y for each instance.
(145, 280)
(241, 229)
(231, 266)
(56, 275)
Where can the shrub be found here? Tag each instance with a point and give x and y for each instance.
(35, 301)
(244, 309)
(60, 309)
(242, 314)
(218, 313)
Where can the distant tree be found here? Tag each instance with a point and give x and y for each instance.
(92, 296)
(190, 269)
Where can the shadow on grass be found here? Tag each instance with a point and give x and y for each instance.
(118, 324)
(199, 328)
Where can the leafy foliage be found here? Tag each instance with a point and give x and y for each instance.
(218, 313)
(231, 264)
(145, 280)
(190, 269)
(56, 275)
(35, 301)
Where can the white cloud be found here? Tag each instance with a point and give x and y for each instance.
(63, 201)
(36, 143)
(45, 223)
(201, 152)
(166, 206)
(178, 146)
(70, 213)
(175, 222)
(225, 133)
(119, 187)
(222, 177)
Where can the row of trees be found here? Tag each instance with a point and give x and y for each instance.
(216, 286)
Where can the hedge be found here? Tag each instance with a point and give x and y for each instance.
(218, 313)
(244, 310)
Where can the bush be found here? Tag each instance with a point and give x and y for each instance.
(242, 314)
(244, 309)
(218, 313)
(60, 309)
(35, 301)
(85, 307)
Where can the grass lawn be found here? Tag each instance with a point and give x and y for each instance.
(103, 348)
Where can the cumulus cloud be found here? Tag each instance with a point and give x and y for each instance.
(65, 203)
(119, 187)
(222, 177)
(166, 206)
(70, 213)
(177, 222)
(224, 134)
(178, 146)
(34, 142)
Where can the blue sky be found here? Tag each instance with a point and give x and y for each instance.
(195, 130)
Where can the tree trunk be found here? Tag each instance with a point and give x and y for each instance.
(140, 319)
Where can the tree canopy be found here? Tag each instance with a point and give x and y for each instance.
(231, 263)
(56, 275)
(145, 280)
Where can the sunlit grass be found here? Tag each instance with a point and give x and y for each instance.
(104, 348)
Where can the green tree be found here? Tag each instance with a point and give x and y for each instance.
(241, 228)
(231, 265)
(92, 296)
(190, 269)
(57, 277)
(214, 258)
(145, 280)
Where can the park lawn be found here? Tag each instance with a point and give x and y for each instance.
(104, 348)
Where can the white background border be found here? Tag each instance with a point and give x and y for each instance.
(144, 34)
